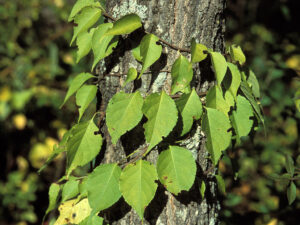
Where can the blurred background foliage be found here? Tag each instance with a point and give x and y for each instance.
(37, 64)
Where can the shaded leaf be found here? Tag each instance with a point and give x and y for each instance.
(76, 84)
(235, 81)
(124, 112)
(83, 146)
(289, 165)
(103, 186)
(291, 192)
(137, 185)
(253, 83)
(197, 52)
(216, 125)
(161, 112)
(190, 107)
(219, 65)
(84, 97)
(221, 184)
(176, 169)
(53, 197)
(125, 25)
(215, 100)
(182, 74)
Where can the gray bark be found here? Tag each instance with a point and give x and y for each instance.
(176, 21)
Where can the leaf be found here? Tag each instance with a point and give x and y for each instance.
(79, 5)
(76, 84)
(182, 74)
(237, 54)
(102, 44)
(176, 169)
(190, 107)
(71, 212)
(136, 52)
(125, 25)
(84, 43)
(124, 112)
(215, 100)
(215, 126)
(103, 186)
(221, 184)
(291, 192)
(202, 188)
(248, 94)
(87, 18)
(84, 97)
(92, 220)
(83, 146)
(131, 75)
(137, 185)
(235, 81)
(53, 197)
(161, 112)
(289, 165)
(253, 83)
(197, 52)
(219, 65)
(149, 51)
(70, 189)
(240, 118)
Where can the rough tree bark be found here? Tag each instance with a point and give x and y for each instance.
(177, 22)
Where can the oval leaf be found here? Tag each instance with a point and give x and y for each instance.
(176, 169)
(79, 5)
(137, 185)
(87, 18)
(233, 85)
(70, 189)
(83, 146)
(197, 52)
(103, 186)
(237, 54)
(124, 112)
(125, 25)
(289, 165)
(149, 51)
(131, 75)
(161, 112)
(182, 74)
(291, 192)
(215, 100)
(190, 107)
(84, 43)
(219, 65)
(253, 83)
(84, 97)
(216, 125)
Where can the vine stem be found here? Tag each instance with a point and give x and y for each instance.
(105, 14)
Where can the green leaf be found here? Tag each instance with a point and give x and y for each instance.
(215, 100)
(221, 184)
(161, 112)
(87, 18)
(53, 197)
(79, 5)
(102, 44)
(297, 99)
(237, 54)
(253, 83)
(84, 43)
(125, 25)
(149, 51)
(190, 107)
(216, 125)
(176, 169)
(103, 186)
(291, 192)
(137, 185)
(197, 52)
(233, 85)
(70, 189)
(202, 188)
(289, 165)
(76, 84)
(84, 97)
(182, 74)
(124, 112)
(219, 65)
(92, 220)
(136, 52)
(240, 118)
(248, 94)
(131, 75)
(83, 146)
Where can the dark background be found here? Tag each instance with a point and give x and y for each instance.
(37, 64)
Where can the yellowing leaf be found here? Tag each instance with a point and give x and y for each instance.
(20, 121)
(39, 154)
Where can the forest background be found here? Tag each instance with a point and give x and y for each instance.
(37, 64)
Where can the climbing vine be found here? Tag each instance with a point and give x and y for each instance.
(226, 113)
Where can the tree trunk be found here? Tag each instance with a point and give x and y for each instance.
(177, 22)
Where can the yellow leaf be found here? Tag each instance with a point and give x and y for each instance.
(39, 154)
(72, 213)
(273, 222)
(20, 121)
(293, 62)
(5, 94)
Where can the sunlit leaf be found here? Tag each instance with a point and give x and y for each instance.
(125, 25)
(197, 52)
(137, 185)
(92, 220)
(131, 75)
(136, 52)
(84, 43)
(215, 100)
(237, 54)
(123, 113)
(176, 169)
(84, 97)
(219, 66)
(79, 5)
(232, 85)
(53, 197)
(70, 189)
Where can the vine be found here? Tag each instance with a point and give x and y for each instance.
(229, 111)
